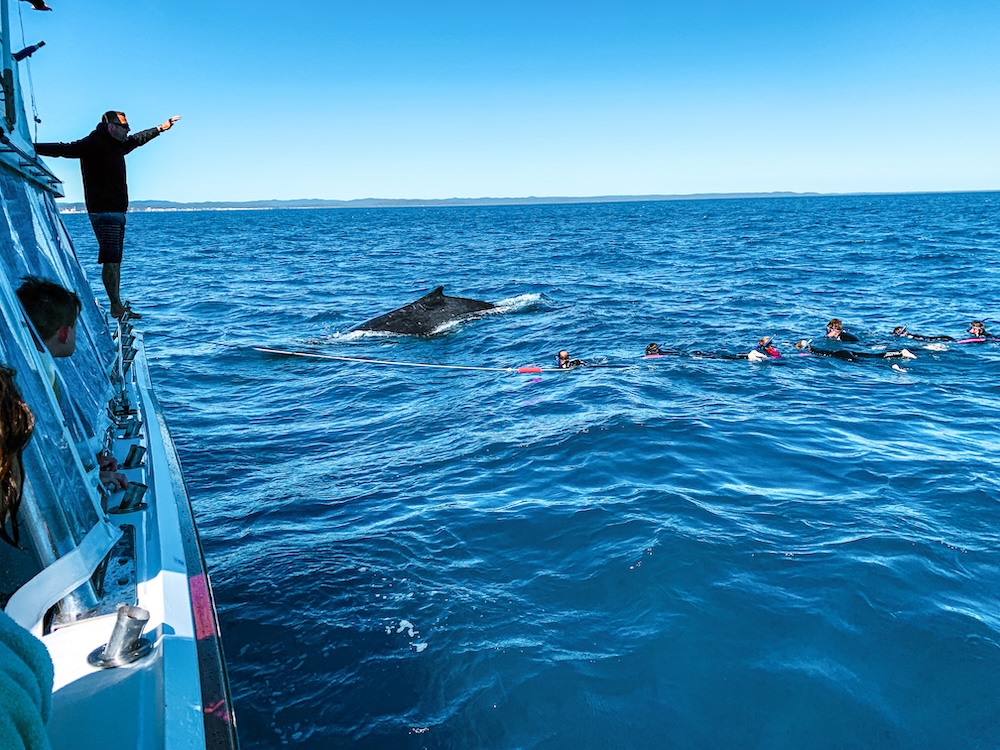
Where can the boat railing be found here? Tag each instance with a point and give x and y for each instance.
(7, 78)
(30, 165)
(12, 131)
(66, 534)
(88, 551)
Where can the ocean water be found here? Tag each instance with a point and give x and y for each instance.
(681, 553)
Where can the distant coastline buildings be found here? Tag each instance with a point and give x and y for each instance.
(156, 206)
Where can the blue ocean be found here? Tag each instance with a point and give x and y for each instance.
(684, 552)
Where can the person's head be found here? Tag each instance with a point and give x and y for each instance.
(977, 328)
(652, 349)
(765, 342)
(899, 330)
(563, 357)
(834, 328)
(53, 311)
(16, 425)
(117, 124)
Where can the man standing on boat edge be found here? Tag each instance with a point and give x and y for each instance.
(105, 188)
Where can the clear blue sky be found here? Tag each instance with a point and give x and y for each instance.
(325, 99)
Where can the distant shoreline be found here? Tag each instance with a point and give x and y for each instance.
(155, 206)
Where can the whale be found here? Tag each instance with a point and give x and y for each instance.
(423, 316)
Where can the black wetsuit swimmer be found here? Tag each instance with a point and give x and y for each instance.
(977, 329)
(901, 332)
(853, 356)
(847, 338)
(563, 362)
(655, 350)
(835, 330)
(764, 350)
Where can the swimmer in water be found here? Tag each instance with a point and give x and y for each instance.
(901, 332)
(563, 362)
(655, 350)
(764, 350)
(766, 346)
(977, 329)
(853, 356)
(835, 330)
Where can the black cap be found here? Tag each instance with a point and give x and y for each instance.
(118, 118)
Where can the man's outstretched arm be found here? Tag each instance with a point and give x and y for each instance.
(73, 150)
(145, 136)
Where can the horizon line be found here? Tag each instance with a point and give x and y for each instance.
(275, 203)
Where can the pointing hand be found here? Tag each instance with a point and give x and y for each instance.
(168, 124)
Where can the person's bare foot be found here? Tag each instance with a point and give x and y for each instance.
(124, 312)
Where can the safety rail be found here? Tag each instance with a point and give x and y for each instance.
(7, 72)
(30, 166)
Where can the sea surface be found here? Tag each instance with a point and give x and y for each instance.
(687, 552)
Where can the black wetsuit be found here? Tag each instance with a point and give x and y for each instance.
(918, 337)
(661, 352)
(853, 356)
(847, 338)
(769, 352)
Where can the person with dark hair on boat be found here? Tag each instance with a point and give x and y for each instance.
(16, 425)
(53, 310)
(901, 332)
(850, 355)
(835, 330)
(563, 362)
(25, 667)
(105, 189)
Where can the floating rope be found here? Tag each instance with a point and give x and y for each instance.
(528, 369)
(368, 361)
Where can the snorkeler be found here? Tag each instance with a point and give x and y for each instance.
(835, 330)
(764, 350)
(977, 329)
(901, 332)
(852, 356)
(655, 350)
(563, 362)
